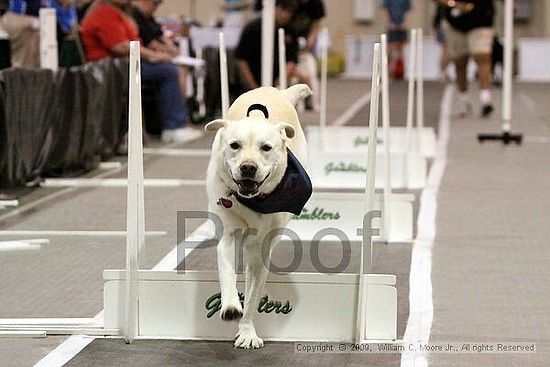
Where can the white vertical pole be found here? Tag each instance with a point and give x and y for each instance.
(135, 216)
(410, 101)
(283, 83)
(49, 58)
(223, 77)
(366, 248)
(508, 65)
(268, 37)
(387, 143)
(324, 78)
(419, 87)
(200, 86)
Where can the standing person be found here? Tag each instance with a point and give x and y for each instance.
(22, 25)
(107, 30)
(469, 29)
(249, 49)
(396, 13)
(442, 40)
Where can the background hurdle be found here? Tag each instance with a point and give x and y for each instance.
(354, 138)
(339, 165)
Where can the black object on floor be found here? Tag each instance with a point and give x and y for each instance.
(506, 138)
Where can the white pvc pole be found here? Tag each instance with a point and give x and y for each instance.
(366, 248)
(324, 78)
(49, 58)
(268, 37)
(508, 65)
(200, 86)
(386, 131)
(283, 83)
(410, 101)
(135, 216)
(419, 87)
(223, 77)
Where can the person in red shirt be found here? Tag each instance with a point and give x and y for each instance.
(106, 31)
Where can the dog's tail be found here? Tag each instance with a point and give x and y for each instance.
(297, 92)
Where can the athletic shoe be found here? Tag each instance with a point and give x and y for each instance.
(464, 109)
(182, 135)
(487, 110)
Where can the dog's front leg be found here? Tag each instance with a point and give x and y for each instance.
(231, 305)
(256, 276)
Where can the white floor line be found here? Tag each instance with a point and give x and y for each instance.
(77, 233)
(76, 343)
(174, 152)
(22, 209)
(119, 182)
(352, 111)
(420, 292)
(110, 165)
(9, 203)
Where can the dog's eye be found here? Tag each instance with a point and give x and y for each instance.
(235, 145)
(266, 148)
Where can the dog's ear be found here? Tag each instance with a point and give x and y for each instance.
(297, 92)
(215, 125)
(286, 130)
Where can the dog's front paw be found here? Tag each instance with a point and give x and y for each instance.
(232, 312)
(247, 339)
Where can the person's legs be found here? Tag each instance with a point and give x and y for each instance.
(461, 66)
(396, 42)
(480, 43)
(174, 112)
(444, 59)
(166, 78)
(458, 52)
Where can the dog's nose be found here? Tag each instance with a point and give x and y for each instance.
(249, 169)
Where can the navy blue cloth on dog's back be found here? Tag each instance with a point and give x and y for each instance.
(291, 195)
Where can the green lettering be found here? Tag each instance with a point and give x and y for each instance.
(213, 304)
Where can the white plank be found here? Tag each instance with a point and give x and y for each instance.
(167, 309)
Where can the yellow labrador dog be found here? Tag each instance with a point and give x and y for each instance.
(255, 179)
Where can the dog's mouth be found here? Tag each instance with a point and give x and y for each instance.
(249, 188)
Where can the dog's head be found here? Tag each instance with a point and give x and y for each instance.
(252, 152)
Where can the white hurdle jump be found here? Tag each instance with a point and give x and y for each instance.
(340, 163)
(354, 138)
(297, 306)
(339, 210)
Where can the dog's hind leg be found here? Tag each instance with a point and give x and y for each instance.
(231, 305)
(256, 276)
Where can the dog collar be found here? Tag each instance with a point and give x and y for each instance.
(290, 195)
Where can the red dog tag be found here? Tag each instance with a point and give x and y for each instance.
(226, 203)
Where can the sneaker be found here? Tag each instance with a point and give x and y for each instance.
(464, 109)
(181, 135)
(487, 110)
